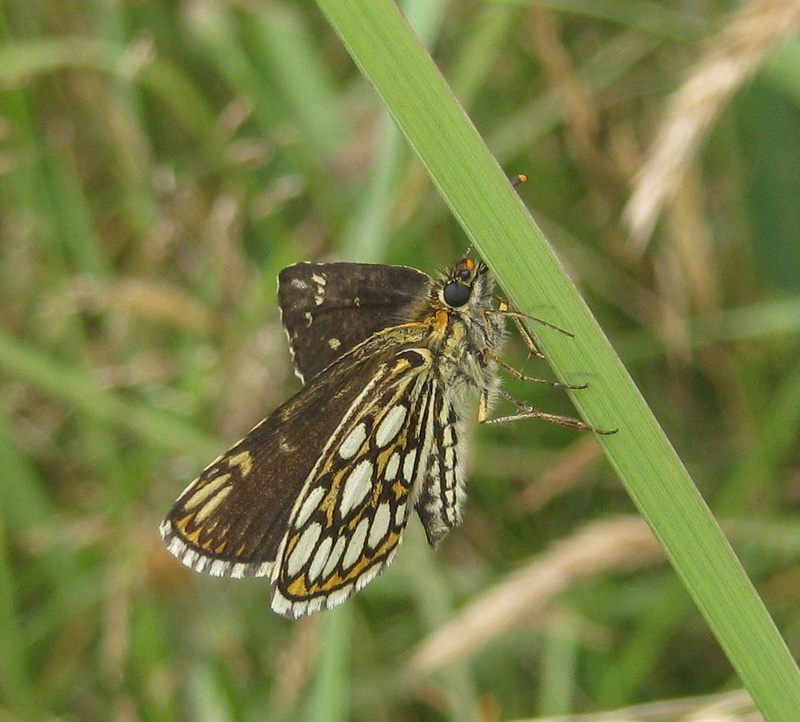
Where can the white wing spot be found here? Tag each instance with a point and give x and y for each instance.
(380, 525)
(302, 550)
(355, 548)
(392, 466)
(400, 515)
(334, 343)
(356, 487)
(309, 505)
(334, 557)
(408, 464)
(450, 458)
(320, 558)
(352, 442)
(447, 435)
(390, 425)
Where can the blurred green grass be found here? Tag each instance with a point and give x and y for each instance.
(161, 163)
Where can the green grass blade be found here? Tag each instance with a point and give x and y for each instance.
(329, 695)
(495, 219)
(80, 392)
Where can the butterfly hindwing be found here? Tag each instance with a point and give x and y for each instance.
(350, 516)
(442, 492)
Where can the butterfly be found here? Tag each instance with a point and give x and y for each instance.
(317, 496)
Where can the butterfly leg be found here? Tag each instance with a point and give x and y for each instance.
(516, 373)
(526, 411)
(533, 349)
(504, 309)
(530, 344)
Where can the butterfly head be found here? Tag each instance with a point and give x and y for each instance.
(465, 284)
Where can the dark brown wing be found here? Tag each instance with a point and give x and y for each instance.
(231, 520)
(328, 308)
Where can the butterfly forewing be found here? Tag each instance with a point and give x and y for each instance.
(328, 308)
(231, 519)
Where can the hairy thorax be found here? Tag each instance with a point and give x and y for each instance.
(466, 341)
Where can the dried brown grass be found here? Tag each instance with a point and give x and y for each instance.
(731, 59)
(736, 706)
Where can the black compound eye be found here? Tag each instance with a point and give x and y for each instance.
(456, 294)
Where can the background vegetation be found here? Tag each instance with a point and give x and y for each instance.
(161, 162)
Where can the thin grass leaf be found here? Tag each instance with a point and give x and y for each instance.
(495, 219)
